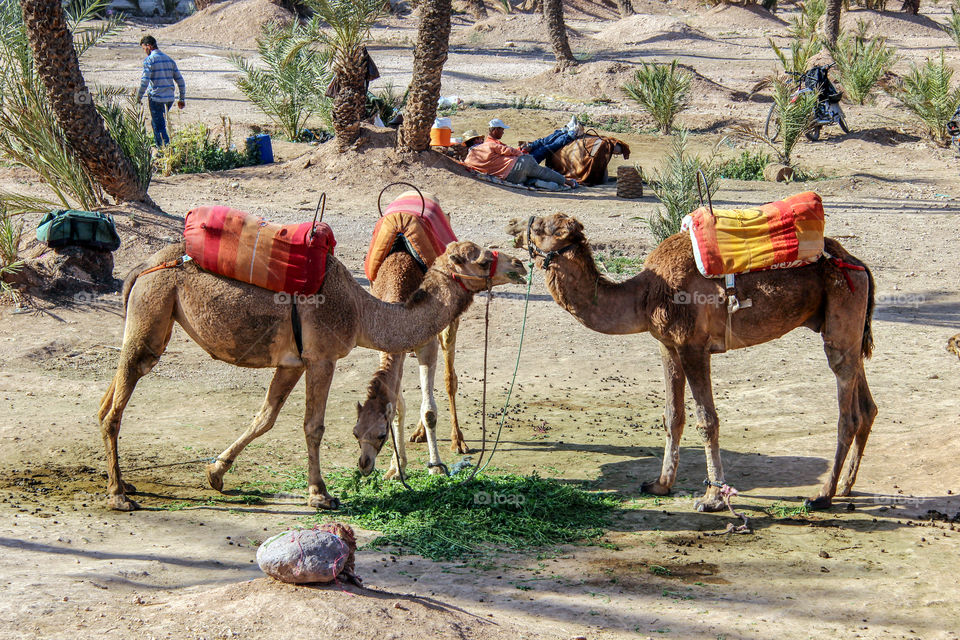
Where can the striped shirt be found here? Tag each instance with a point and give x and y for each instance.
(159, 74)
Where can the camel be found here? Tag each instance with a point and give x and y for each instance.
(252, 327)
(687, 314)
(398, 277)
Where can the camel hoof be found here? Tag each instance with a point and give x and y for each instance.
(436, 471)
(459, 446)
(709, 505)
(819, 503)
(324, 502)
(655, 488)
(420, 435)
(215, 477)
(121, 503)
(390, 474)
(128, 488)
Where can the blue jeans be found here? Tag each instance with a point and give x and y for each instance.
(543, 147)
(158, 112)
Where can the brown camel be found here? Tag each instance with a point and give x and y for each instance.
(687, 313)
(251, 327)
(953, 345)
(397, 278)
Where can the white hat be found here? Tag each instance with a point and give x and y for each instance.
(497, 122)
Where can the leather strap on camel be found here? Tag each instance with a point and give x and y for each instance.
(169, 264)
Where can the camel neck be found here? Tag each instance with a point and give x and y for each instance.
(598, 303)
(394, 328)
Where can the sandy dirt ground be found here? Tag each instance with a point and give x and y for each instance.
(587, 406)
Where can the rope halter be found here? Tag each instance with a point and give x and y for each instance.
(534, 250)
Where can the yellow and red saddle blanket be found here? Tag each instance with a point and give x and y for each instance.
(285, 258)
(779, 235)
(419, 227)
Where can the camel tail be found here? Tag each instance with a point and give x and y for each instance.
(129, 281)
(866, 344)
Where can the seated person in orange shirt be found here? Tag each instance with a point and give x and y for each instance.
(508, 163)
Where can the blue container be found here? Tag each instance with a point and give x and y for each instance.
(261, 142)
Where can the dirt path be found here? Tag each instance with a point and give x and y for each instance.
(184, 566)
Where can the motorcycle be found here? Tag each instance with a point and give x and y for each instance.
(827, 110)
(953, 128)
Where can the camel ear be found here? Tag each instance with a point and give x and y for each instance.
(359, 409)
(389, 411)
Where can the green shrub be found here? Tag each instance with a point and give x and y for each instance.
(386, 103)
(926, 91)
(953, 22)
(803, 26)
(795, 116)
(193, 150)
(662, 91)
(290, 87)
(124, 120)
(746, 166)
(862, 61)
(613, 124)
(675, 186)
(10, 263)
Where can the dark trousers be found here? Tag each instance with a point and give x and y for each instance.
(543, 147)
(158, 117)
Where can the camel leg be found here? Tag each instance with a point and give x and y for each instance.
(427, 357)
(847, 365)
(696, 366)
(673, 420)
(319, 377)
(398, 460)
(448, 342)
(284, 380)
(868, 412)
(145, 338)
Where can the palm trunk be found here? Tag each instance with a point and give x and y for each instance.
(553, 15)
(350, 101)
(911, 6)
(57, 65)
(478, 9)
(626, 8)
(831, 27)
(433, 40)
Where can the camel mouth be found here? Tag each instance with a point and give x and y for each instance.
(516, 277)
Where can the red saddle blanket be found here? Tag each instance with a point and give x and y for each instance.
(289, 258)
(424, 236)
(779, 235)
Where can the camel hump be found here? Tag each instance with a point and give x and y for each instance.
(418, 227)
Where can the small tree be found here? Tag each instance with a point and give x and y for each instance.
(290, 89)
(662, 91)
(862, 61)
(345, 36)
(675, 186)
(953, 22)
(926, 91)
(788, 121)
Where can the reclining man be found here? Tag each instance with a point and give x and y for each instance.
(519, 165)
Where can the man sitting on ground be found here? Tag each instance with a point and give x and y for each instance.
(515, 165)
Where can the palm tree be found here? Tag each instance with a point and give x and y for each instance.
(57, 65)
(349, 23)
(831, 27)
(433, 39)
(626, 8)
(553, 14)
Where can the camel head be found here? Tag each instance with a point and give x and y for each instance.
(373, 427)
(474, 266)
(548, 237)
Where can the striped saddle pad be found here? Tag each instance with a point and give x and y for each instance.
(779, 235)
(289, 258)
(403, 227)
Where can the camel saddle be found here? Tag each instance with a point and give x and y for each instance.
(284, 258)
(586, 159)
(779, 235)
(419, 227)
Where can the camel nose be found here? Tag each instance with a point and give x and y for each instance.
(365, 464)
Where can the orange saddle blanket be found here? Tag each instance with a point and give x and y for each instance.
(407, 225)
(779, 235)
(289, 258)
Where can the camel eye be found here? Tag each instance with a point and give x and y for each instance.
(483, 263)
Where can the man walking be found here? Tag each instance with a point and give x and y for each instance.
(159, 74)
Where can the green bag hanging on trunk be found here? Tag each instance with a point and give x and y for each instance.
(70, 227)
